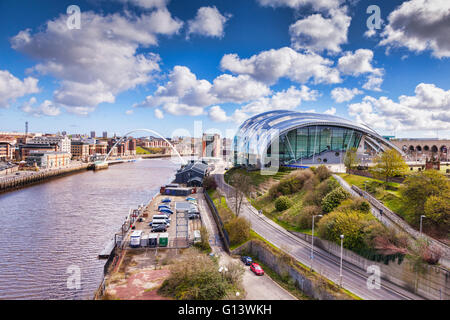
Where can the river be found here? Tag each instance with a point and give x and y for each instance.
(51, 229)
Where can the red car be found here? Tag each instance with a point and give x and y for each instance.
(256, 269)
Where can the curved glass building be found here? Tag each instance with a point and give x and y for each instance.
(302, 138)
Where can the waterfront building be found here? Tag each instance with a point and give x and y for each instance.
(62, 143)
(24, 150)
(295, 138)
(418, 149)
(7, 148)
(192, 174)
(49, 160)
(80, 150)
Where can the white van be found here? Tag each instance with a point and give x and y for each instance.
(135, 239)
(160, 221)
(162, 217)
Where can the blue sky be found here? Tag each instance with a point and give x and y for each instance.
(222, 61)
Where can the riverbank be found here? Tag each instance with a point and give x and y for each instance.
(29, 178)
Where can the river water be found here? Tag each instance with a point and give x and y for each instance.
(51, 230)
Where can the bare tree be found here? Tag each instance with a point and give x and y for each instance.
(242, 187)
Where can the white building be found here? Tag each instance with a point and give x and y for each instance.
(63, 142)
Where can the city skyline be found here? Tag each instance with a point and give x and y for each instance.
(173, 63)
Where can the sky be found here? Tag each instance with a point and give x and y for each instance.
(176, 65)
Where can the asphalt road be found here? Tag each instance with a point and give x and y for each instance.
(354, 278)
(257, 287)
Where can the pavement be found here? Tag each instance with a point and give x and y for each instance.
(354, 278)
(257, 287)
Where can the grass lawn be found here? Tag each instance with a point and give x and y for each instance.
(256, 177)
(140, 150)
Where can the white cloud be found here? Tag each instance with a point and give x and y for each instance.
(427, 109)
(357, 63)
(147, 4)
(420, 25)
(331, 111)
(373, 83)
(238, 89)
(344, 94)
(129, 112)
(12, 88)
(208, 22)
(217, 114)
(318, 33)
(360, 63)
(159, 114)
(100, 60)
(296, 4)
(46, 108)
(187, 95)
(283, 100)
(269, 66)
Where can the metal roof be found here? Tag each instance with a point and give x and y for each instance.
(263, 125)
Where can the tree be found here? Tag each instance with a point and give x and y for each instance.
(389, 164)
(437, 210)
(351, 159)
(333, 199)
(416, 190)
(238, 229)
(242, 187)
(283, 203)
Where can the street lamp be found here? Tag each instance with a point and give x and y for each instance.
(312, 240)
(340, 268)
(365, 184)
(421, 217)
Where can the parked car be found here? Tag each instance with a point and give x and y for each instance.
(256, 268)
(192, 216)
(190, 199)
(246, 260)
(159, 228)
(166, 200)
(164, 210)
(163, 206)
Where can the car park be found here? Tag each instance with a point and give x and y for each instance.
(256, 269)
(247, 260)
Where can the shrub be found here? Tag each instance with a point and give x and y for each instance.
(283, 203)
(209, 183)
(194, 277)
(323, 173)
(358, 204)
(238, 229)
(437, 210)
(333, 199)
(304, 218)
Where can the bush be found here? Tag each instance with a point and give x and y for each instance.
(238, 229)
(315, 196)
(304, 218)
(194, 277)
(437, 209)
(283, 203)
(323, 173)
(333, 199)
(209, 183)
(358, 204)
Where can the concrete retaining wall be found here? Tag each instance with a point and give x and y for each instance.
(310, 285)
(19, 182)
(433, 284)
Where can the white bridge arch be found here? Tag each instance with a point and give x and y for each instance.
(183, 161)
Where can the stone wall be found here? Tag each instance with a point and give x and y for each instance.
(433, 283)
(309, 283)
